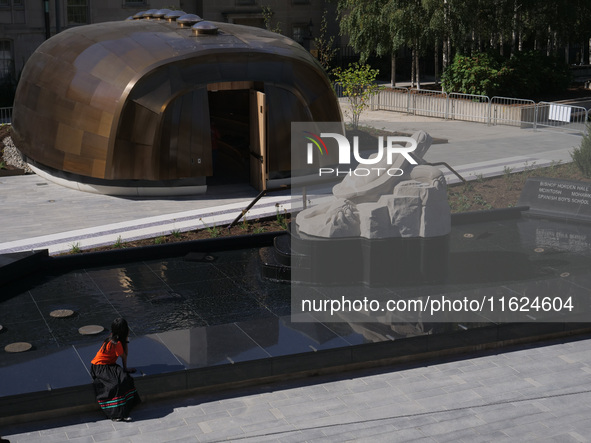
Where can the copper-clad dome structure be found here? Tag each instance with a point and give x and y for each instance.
(148, 104)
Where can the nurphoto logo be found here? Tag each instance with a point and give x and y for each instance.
(385, 157)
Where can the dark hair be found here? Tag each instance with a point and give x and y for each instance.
(119, 329)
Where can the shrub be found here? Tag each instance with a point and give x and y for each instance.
(524, 75)
(481, 74)
(582, 155)
(359, 85)
(537, 73)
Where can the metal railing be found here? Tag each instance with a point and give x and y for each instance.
(338, 89)
(468, 107)
(5, 116)
(480, 108)
(512, 111)
(427, 103)
(561, 117)
(391, 99)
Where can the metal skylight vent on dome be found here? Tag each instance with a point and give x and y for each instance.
(161, 13)
(188, 20)
(150, 13)
(174, 15)
(204, 28)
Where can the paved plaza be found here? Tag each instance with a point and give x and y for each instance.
(45, 215)
(537, 392)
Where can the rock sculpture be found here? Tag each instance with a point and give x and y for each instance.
(379, 206)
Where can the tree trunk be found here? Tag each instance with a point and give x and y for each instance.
(444, 61)
(393, 70)
(514, 30)
(412, 69)
(417, 70)
(567, 53)
(446, 42)
(436, 63)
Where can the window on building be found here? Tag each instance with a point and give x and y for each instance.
(6, 59)
(134, 2)
(17, 4)
(300, 32)
(77, 12)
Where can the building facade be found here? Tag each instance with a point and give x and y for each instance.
(25, 24)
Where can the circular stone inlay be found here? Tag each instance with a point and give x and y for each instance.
(469, 235)
(539, 250)
(91, 330)
(565, 274)
(61, 313)
(18, 347)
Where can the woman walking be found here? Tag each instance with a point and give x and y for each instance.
(114, 387)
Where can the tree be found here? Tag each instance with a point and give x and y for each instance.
(466, 27)
(382, 27)
(358, 83)
(325, 45)
(369, 31)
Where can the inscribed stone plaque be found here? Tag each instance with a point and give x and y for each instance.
(564, 199)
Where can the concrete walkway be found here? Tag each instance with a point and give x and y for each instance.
(539, 394)
(38, 214)
(535, 393)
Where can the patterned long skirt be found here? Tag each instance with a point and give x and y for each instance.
(115, 390)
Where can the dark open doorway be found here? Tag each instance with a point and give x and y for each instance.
(230, 136)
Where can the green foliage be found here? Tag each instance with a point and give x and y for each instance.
(267, 18)
(212, 230)
(582, 155)
(525, 75)
(365, 23)
(481, 74)
(159, 240)
(119, 243)
(175, 233)
(537, 73)
(75, 248)
(358, 83)
(325, 45)
(281, 218)
(244, 223)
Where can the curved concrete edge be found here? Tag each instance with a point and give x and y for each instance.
(122, 191)
(59, 402)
